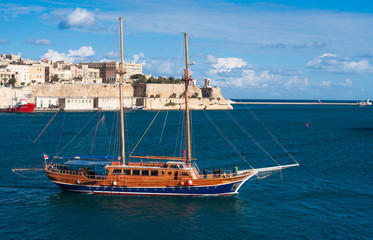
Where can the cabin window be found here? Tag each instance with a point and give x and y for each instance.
(154, 172)
(174, 166)
(127, 171)
(135, 172)
(145, 172)
(184, 174)
(117, 171)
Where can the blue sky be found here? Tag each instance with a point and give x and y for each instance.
(251, 49)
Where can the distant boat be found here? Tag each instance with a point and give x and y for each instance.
(21, 107)
(149, 175)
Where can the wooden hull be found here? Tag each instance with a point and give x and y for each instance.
(118, 185)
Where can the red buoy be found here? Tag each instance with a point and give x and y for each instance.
(307, 125)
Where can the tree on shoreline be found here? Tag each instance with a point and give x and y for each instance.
(140, 78)
(55, 78)
(12, 81)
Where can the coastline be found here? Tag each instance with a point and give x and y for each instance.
(295, 103)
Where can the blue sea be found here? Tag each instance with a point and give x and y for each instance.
(329, 196)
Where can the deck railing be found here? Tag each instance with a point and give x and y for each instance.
(217, 174)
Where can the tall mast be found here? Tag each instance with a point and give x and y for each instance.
(121, 74)
(187, 80)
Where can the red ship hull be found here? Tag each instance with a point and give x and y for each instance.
(26, 108)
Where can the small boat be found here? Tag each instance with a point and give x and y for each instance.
(148, 175)
(21, 107)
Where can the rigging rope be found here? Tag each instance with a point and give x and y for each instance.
(226, 138)
(94, 137)
(144, 133)
(59, 141)
(250, 136)
(78, 133)
(178, 132)
(263, 126)
(160, 139)
(46, 125)
(111, 135)
(127, 134)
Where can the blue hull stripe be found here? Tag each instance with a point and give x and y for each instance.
(224, 189)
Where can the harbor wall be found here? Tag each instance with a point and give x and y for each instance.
(105, 96)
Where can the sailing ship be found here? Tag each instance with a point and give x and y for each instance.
(148, 175)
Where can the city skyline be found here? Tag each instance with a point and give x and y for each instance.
(277, 49)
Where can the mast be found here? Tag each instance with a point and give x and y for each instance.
(121, 74)
(187, 80)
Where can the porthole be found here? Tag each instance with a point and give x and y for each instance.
(161, 173)
(169, 173)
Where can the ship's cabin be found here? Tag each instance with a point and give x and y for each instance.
(170, 169)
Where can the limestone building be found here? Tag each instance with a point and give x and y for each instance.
(108, 70)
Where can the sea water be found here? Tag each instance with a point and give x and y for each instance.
(329, 196)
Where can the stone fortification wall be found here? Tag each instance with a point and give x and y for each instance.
(211, 92)
(6, 95)
(80, 90)
(194, 103)
(151, 96)
(170, 96)
(166, 90)
(112, 103)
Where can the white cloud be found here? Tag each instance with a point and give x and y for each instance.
(105, 60)
(72, 55)
(347, 83)
(326, 83)
(82, 52)
(78, 18)
(311, 44)
(335, 63)
(40, 42)
(112, 55)
(15, 10)
(3, 41)
(296, 83)
(137, 57)
(227, 64)
(159, 67)
(251, 78)
(56, 56)
(241, 74)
